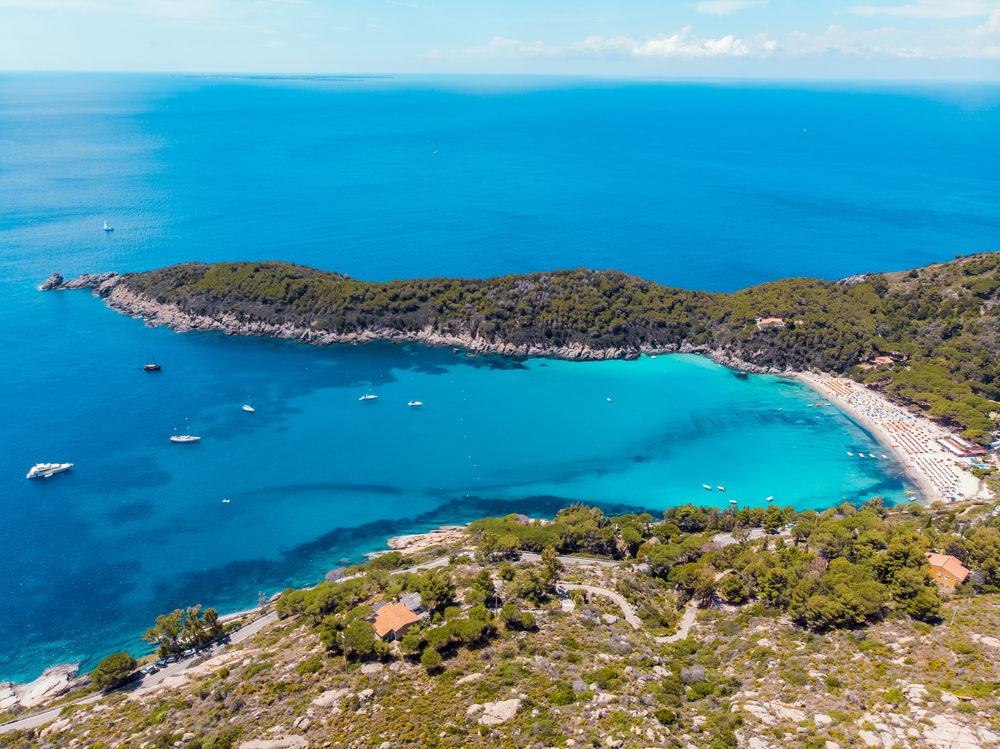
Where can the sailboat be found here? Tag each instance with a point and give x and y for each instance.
(369, 396)
(184, 437)
(108, 228)
(154, 367)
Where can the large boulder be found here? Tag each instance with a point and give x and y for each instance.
(54, 281)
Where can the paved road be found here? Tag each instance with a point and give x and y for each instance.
(530, 556)
(36, 720)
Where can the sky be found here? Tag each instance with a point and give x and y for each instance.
(839, 39)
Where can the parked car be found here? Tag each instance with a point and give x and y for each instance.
(171, 659)
(188, 653)
(150, 669)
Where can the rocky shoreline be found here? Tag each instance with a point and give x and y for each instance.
(119, 297)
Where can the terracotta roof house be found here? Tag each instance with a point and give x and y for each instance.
(391, 622)
(946, 570)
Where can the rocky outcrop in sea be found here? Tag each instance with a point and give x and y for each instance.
(55, 282)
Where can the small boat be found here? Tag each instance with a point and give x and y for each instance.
(435, 152)
(652, 356)
(44, 470)
(768, 499)
(810, 405)
(248, 407)
(910, 492)
(912, 499)
(609, 400)
(108, 228)
(721, 488)
(851, 454)
(870, 455)
(368, 397)
(225, 501)
(861, 455)
(885, 457)
(706, 486)
(733, 502)
(414, 403)
(819, 405)
(184, 438)
(154, 367)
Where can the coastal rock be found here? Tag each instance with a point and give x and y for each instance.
(411, 544)
(53, 282)
(54, 682)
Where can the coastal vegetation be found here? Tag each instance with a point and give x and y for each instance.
(927, 338)
(828, 632)
(113, 670)
(182, 629)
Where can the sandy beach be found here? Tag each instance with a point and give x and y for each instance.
(910, 437)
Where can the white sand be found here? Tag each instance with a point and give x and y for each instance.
(910, 437)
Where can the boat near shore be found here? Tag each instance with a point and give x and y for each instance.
(44, 470)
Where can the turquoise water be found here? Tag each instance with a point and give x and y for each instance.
(660, 180)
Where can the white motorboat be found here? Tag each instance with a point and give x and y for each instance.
(414, 403)
(851, 454)
(721, 488)
(870, 455)
(609, 400)
(108, 228)
(733, 502)
(248, 407)
(706, 486)
(44, 470)
(184, 438)
(769, 499)
(368, 397)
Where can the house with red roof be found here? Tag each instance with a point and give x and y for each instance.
(392, 621)
(947, 570)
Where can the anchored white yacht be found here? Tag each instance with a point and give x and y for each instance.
(44, 470)
(414, 403)
(184, 438)
(248, 407)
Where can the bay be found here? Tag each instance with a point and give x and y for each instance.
(707, 186)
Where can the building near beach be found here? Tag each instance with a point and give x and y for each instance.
(962, 448)
(947, 570)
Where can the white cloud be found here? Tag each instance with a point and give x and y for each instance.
(992, 25)
(725, 7)
(680, 45)
(930, 9)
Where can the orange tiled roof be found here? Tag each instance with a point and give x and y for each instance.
(949, 564)
(393, 618)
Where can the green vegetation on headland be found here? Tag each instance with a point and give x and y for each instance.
(934, 329)
(828, 632)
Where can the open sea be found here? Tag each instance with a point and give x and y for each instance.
(712, 186)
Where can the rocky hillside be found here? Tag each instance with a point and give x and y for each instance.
(551, 651)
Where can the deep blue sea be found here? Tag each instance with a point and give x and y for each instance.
(713, 186)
